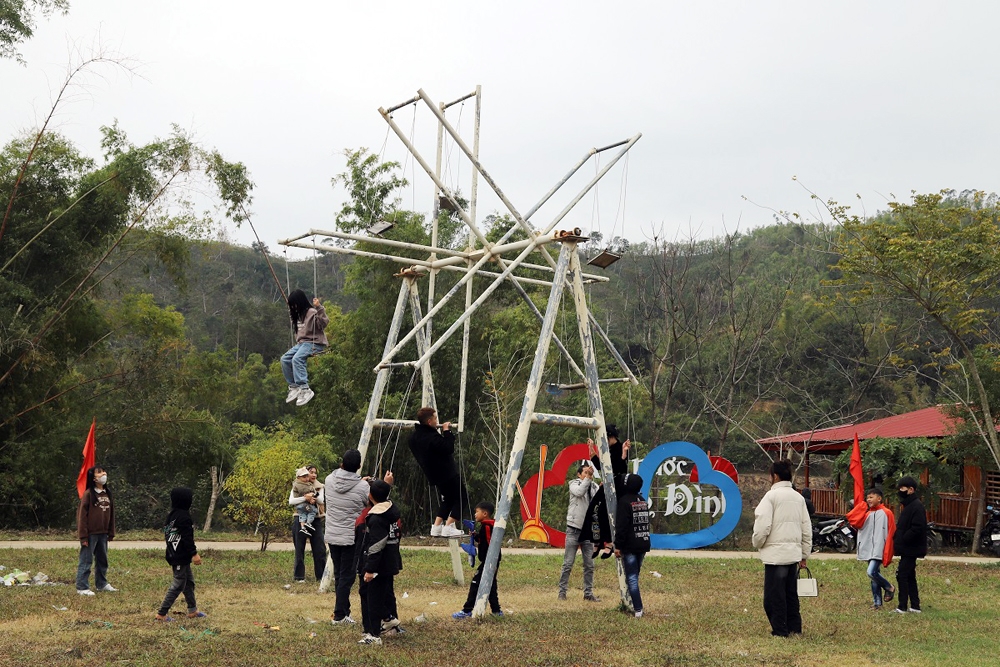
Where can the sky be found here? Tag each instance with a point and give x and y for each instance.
(734, 100)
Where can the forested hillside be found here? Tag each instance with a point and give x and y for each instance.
(120, 302)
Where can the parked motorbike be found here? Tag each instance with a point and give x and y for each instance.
(834, 534)
(990, 540)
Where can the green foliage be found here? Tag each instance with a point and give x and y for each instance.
(892, 458)
(17, 22)
(261, 479)
(370, 185)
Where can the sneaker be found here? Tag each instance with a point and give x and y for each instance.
(461, 614)
(390, 624)
(451, 531)
(436, 530)
(591, 598)
(915, 611)
(562, 595)
(300, 581)
(638, 614)
(85, 591)
(347, 620)
(293, 393)
(498, 613)
(108, 588)
(305, 395)
(899, 611)
(371, 639)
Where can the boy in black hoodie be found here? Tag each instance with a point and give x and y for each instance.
(379, 561)
(181, 552)
(632, 534)
(484, 515)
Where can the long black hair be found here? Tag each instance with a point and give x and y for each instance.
(91, 484)
(298, 306)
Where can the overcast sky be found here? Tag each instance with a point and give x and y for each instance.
(733, 98)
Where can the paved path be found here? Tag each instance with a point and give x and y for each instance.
(541, 551)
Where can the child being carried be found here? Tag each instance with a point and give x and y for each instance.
(306, 511)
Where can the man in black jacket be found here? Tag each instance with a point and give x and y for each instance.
(435, 452)
(379, 561)
(181, 552)
(910, 543)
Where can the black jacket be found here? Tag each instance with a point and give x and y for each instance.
(179, 529)
(597, 519)
(632, 518)
(380, 543)
(619, 466)
(483, 537)
(435, 452)
(911, 529)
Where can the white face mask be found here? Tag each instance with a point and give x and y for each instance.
(102, 480)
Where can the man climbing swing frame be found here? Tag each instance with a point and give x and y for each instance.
(567, 272)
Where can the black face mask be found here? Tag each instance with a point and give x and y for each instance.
(903, 495)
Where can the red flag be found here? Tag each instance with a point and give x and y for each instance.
(856, 517)
(89, 454)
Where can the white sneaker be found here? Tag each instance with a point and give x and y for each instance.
(85, 591)
(108, 588)
(305, 395)
(347, 620)
(389, 624)
(638, 614)
(436, 529)
(914, 611)
(451, 531)
(369, 639)
(293, 393)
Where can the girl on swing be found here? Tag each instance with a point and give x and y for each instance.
(308, 325)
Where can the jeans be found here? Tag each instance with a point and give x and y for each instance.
(470, 601)
(878, 581)
(586, 547)
(906, 581)
(781, 599)
(293, 363)
(307, 513)
(316, 545)
(632, 563)
(95, 552)
(183, 582)
(344, 572)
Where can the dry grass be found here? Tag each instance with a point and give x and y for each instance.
(699, 612)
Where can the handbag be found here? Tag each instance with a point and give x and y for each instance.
(807, 587)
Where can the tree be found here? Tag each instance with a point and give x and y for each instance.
(940, 253)
(17, 22)
(943, 256)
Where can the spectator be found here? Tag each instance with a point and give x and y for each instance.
(95, 526)
(910, 543)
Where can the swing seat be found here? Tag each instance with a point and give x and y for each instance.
(380, 227)
(553, 389)
(605, 259)
(445, 204)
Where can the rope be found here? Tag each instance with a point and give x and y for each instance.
(623, 190)
(595, 212)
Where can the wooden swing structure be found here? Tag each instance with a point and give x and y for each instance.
(505, 258)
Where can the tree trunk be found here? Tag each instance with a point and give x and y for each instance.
(977, 534)
(216, 490)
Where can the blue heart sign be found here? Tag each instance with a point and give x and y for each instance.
(672, 458)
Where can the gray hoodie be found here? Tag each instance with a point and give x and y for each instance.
(581, 492)
(873, 535)
(346, 495)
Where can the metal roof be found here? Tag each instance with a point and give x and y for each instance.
(932, 422)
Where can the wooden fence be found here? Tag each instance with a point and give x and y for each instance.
(950, 510)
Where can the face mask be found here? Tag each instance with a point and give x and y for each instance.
(903, 495)
(102, 480)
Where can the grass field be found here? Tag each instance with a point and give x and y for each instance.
(698, 612)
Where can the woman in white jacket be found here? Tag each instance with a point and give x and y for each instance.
(782, 533)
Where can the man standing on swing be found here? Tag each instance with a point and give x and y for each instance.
(435, 453)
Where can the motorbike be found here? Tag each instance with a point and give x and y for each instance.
(990, 540)
(834, 534)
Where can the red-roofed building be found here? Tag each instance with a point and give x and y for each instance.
(955, 509)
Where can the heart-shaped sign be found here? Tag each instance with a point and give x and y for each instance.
(729, 489)
(554, 476)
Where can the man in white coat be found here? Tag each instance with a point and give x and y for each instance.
(782, 533)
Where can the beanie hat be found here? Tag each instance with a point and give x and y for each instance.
(301, 471)
(379, 490)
